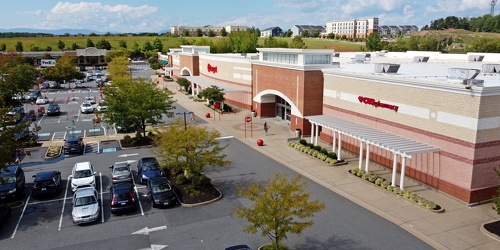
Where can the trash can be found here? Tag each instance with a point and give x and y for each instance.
(297, 132)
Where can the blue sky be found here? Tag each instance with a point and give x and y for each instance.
(157, 15)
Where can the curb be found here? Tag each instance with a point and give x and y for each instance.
(487, 233)
(203, 203)
(51, 157)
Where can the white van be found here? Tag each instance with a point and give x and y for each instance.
(83, 175)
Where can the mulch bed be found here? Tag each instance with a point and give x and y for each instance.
(136, 142)
(207, 193)
(493, 227)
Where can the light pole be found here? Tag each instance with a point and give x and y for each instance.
(184, 113)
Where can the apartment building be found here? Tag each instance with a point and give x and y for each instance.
(356, 28)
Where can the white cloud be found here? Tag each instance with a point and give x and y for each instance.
(449, 7)
(38, 12)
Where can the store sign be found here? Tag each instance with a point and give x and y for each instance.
(211, 68)
(372, 102)
(48, 63)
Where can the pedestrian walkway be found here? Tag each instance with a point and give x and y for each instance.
(457, 228)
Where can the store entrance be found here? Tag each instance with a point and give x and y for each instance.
(283, 109)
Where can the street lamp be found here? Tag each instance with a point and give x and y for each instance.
(184, 113)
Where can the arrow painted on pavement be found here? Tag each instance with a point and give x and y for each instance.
(127, 155)
(155, 247)
(224, 137)
(146, 230)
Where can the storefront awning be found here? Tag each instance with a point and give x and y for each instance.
(209, 82)
(163, 62)
(394, 143)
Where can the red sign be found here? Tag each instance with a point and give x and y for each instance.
(211, 68)
(372, 102)
(248, 118)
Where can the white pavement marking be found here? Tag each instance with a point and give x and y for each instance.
(127, 155)
(64, 203)
(57, 136)
(224, 137)
(59, 121)
(84, 133)
(102, 207)
(40, 121)
(104, 129)
(20, 217)
(138, 198)
(147, 230)
(155, 247)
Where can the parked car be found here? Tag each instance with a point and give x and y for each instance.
(86, 107)
(102, 107)
(15, 115)
(47, 183)
(12, 184)
(122, 198)
(44, 85)
(74, 145)
(91, 100)
(4, 213)
(82, 68)
(148, 167)
(83, 175)
(160, 192)
(79, 84)
(98, 72)
(120, 172)
(22, 134)
(54, 85)
(125, 129)
(18, 96)
(42, 100)
(53, 109)
(33, 95)
(85, 205)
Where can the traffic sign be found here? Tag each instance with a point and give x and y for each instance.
(248, 118)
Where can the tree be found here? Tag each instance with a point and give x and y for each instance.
(118, 67)
(223, 32)
(184, 83)
(271, 42)
(199, 33)
(3, 47)
(305, 33)
(243, 41)
(496, 198)
(331, 35)
(210, 33)
(17, 76)
(75, 46)
(213, 94)
(316, 33)
(64, 70)
(122, 44)
(136, 103)
(90, 43)
(136, 49)
(372, 42)
(157, 44)
(222, 45)
(186, 33)
(19, 46)
(8, 144)
(289, 33)
(187, 148)
(279, 208)
(103, 44)
(61, 45)
(297, 43)
(147, 46)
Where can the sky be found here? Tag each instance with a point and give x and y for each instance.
(158, 15)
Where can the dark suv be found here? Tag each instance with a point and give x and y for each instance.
(46, 183)
(11, 182)
(74, 145)
(122, 198)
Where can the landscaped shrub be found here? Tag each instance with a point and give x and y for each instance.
(407, 194)
(323, 151)
(397, 190)
(317, 148)
(181, 179)
(354, 171)
(127, 138)
(303, 142)
(332, 155)
(372, 178)
(379, 181)
(385, 184)
(365, 176)
(361, 172)
(204, 181)
(310, 145)
(191, 190)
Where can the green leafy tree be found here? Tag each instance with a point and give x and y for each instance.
(222, 45)
(147, 46)
(201, 41)
(289, 33)
(19, 46)
(372, 42)
(103, 44)
(331, 35)
(61, 45)
(129, 106)
(122, 44)
(186, 33)
(271, 42)
(316, 33)
(183, 147)
(3, 47)
(16, 77)
(210, 33)
(184, 83)
(213, 94)
(157, 44)
(223, 32)
(118, 67)
(8, 144)
(90, 43)
(64, 70)
(304, 33)
(34, 48)
(280, 207)
(136, 49)
(48, 48)
(199, 33)
(243, 41)
(75, 46)
(297, 43)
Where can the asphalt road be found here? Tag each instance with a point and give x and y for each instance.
(47, 224)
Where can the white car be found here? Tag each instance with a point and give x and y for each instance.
(86, 107)
(91, 100)
(83, 175)
(102, 107)
(42, 100)
(85, 205)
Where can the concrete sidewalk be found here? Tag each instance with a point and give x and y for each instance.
(459, 227)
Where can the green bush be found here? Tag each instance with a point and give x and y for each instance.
(317, 148)
(361, 172)
(332, 155)
(365, 176)
(379, 181)
(191, 190)
(397, 190)
(354, 171)
(323, 151)
(310, 145)
(204, 181)
(127, 138)
(385, 184)
(138, 135)
(407, 194)
(181, 179)
(303, 142)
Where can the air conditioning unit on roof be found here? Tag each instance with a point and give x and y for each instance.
(386, 68)
(491, 68)
(462, 73)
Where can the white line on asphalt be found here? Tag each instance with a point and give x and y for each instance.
(102, 207)
(59, 121)
(64, 203)
(84, 133)
(98, 145)
(40, 121)
(78, 117)
(137, 193)
(47, 201)
(104, 129)
(20, 217)
(224, 137)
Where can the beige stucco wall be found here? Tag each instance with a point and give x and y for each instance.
(233, 69)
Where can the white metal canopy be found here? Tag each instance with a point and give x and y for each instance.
(202, 81)
(397, 144)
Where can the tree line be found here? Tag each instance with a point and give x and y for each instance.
(486, 23)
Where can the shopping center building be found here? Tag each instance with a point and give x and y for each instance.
(428, 116)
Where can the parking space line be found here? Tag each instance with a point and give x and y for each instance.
(40, 121)
(47, 201)
(64, 203)
(138, 197)
(102, 207)
(104, 129)
(84, 133)
(20, 217)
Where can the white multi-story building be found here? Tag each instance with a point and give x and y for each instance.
(355, 28)
(179, 30)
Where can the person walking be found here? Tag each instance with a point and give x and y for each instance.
(193, 119)
(266, 128)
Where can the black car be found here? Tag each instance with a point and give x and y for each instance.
(160, 192)
(33, 95)
(122, 198)
(22, 134)
(15, 115)
(124, 129)
(74, 145)
(46, 183)
(11, 182)
(4, 213)
(53, 109)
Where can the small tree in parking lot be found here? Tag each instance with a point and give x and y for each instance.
(184, 83)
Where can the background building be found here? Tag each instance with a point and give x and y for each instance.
(355, 28)
(297, 29)
(272, 31)
(395, 30)
(179, 30)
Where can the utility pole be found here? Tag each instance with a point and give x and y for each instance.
(184, 113)
(492, 3)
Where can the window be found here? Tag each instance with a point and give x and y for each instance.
(281, 58)
(317, 59)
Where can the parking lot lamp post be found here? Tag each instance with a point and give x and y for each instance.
(184, 113)
(73, 127)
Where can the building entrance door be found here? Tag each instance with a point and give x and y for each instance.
(283, 109)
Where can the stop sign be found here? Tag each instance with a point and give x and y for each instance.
(248, 118)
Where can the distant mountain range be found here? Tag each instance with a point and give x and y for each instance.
(64, 31)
